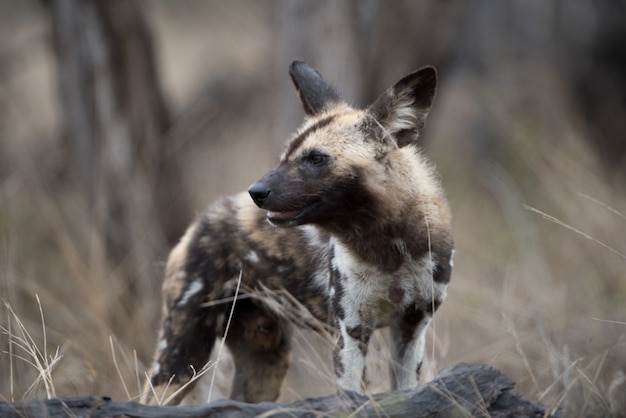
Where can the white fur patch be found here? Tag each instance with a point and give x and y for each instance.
(194, 288)
(321, 279)
(402, 117)
(162, 345)
(155, 370)
(252, 257)
(312, 235)
(352, 360)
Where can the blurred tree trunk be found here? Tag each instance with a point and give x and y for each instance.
(116, 124)
(336, 50)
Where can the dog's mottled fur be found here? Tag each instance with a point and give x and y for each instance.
(352, 223)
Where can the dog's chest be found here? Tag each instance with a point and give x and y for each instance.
(367, 294)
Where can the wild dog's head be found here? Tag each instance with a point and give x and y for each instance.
(326, 171)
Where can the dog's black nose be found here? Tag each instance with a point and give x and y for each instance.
(259, 192)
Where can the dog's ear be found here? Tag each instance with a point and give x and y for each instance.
(316, 94)
(403, 108)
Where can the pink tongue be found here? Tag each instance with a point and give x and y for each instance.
(282, 215)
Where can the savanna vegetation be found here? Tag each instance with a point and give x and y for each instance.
(120, 120)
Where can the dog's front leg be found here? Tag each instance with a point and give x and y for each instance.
(350, 353)
(353, 320)
(408, 340)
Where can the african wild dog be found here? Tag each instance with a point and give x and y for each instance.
(352, 222)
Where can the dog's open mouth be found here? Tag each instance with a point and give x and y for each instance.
(292, 217)
(281, 218)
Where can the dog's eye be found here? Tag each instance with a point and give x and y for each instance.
(316, 158)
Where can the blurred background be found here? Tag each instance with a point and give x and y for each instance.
(121, 120)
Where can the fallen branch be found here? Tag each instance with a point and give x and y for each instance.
(457, 391)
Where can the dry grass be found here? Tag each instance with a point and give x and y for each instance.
(22, 347)
(539, 288)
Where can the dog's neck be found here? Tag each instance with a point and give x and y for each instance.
(385, 245)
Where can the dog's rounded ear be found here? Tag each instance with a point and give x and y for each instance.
(403, 108)
(316, 94)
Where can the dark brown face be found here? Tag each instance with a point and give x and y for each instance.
(289, 191)
(307, 190)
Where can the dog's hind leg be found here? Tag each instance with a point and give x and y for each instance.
(194, 275)
(259, 343)
(185, 341)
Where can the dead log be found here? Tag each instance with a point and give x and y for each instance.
(460, 390)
